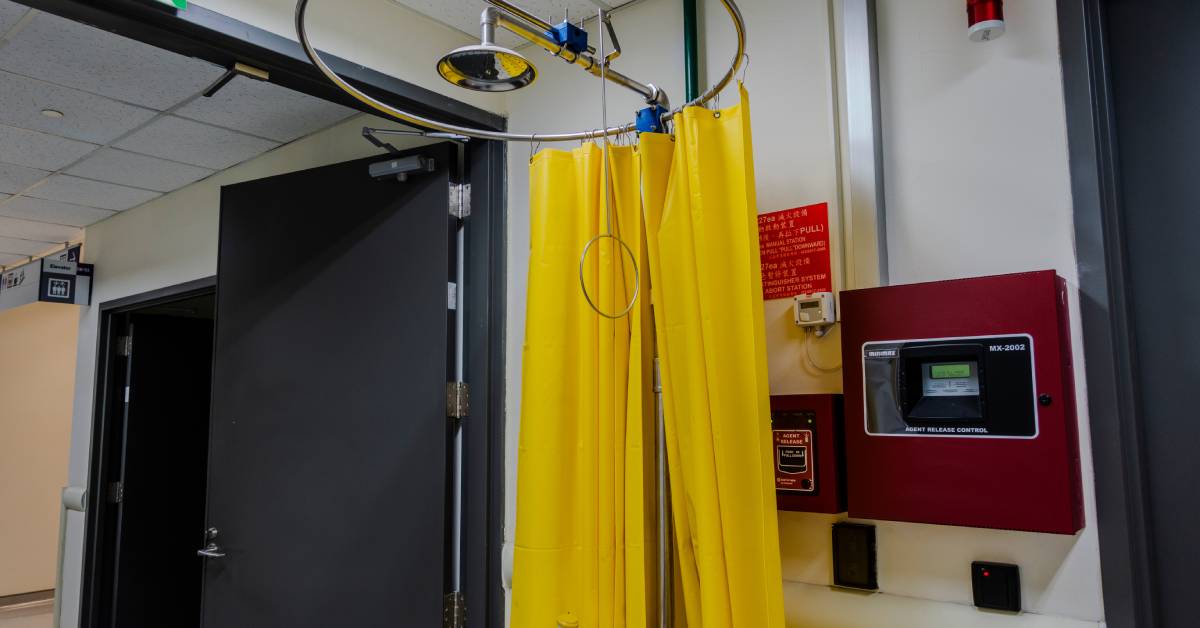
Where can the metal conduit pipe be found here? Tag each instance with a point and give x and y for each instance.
(520, 13)
(691, 55)
(407, 117)
(509, 7)
(649, 92)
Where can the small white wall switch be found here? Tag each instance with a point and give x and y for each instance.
(814, 310)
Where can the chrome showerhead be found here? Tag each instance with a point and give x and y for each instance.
(487, 67)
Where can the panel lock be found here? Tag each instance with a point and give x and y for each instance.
(212, 550)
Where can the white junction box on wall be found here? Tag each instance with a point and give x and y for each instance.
(814, 310)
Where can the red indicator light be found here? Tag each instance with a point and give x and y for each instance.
(986, 573)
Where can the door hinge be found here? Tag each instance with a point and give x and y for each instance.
(458, 400)
(454, 610)
(116, 492)
(125, 346)
(460, 200)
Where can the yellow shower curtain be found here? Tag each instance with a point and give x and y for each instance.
(585, 533)
(585, 537)
(708, 311)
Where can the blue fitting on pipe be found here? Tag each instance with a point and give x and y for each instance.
(649, 120)
(569, 36)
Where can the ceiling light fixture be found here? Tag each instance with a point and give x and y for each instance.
(53, 113)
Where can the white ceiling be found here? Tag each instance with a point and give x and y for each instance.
(135, 126)
(464, 14)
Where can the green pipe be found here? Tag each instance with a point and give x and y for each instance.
(691, 53)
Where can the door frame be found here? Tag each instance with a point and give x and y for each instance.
(106, 418)
(208, 35)
(1109, 343)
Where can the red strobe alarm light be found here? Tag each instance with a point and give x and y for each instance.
(985, 19)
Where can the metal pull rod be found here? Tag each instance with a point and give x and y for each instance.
(212, 550)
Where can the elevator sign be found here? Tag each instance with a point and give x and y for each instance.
(794, 250)
(57, 279)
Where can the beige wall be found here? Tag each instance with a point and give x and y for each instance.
(37, 376)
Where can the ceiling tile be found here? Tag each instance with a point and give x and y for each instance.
(265, 110)
(152, 173)
(32, 230)
(10, 12)
(80, 56)
(194, 143)
(17, 246)
(52, 211)
(77, 191)
(87, 117)
(39, 150)
(14, 178)
(8, 259)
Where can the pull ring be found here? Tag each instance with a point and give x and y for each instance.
(637, 276)
(608, 218)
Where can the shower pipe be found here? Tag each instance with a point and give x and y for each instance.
(493, 17)
(691, 56)
(523, 28)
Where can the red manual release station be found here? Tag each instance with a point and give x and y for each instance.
(960, 404)
(810, 473)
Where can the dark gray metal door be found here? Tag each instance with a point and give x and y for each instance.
(328, 447)
(1154, 53)
(1128, 68)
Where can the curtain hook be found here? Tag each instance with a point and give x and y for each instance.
(745, 68)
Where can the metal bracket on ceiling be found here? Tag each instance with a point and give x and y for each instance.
(238, 69)
(371, 136)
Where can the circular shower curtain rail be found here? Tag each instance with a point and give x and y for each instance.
(731, 7)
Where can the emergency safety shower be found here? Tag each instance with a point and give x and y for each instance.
(489, 67)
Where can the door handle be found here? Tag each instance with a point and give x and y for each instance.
(211, 551)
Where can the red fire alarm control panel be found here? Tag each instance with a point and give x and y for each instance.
(960, 405)
(808, 445)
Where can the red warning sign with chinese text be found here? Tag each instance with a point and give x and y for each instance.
(794, 250)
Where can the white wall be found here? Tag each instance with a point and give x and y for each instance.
(977, 183)
(168, 241)
(37, 372)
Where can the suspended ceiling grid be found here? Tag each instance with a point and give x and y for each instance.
(463, 15)
(134, 126)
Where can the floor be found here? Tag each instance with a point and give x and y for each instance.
(37, 617)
